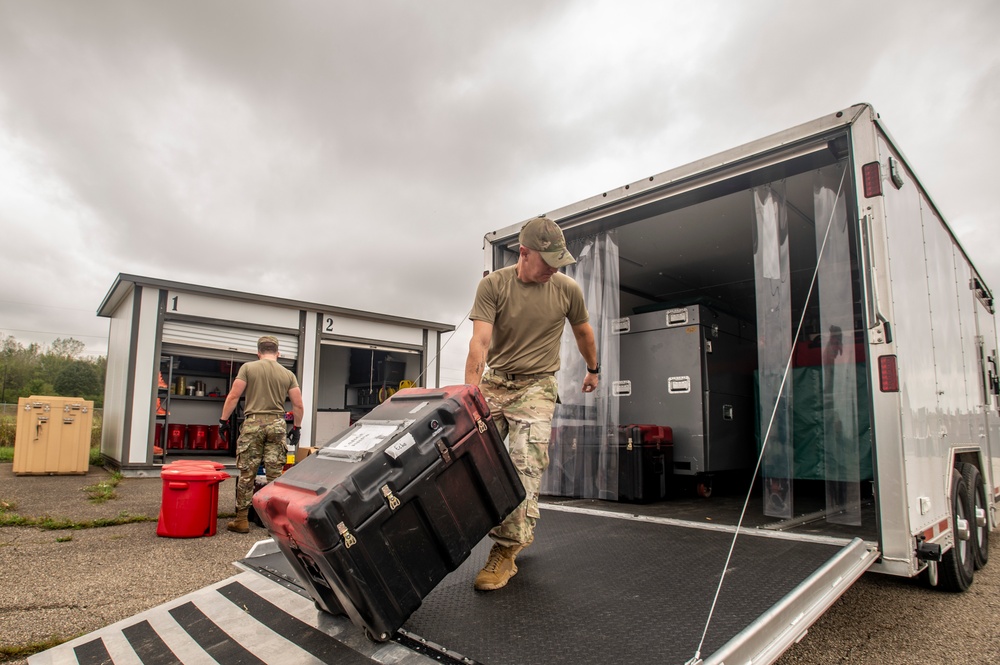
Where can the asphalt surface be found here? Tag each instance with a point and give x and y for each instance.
(59, 590)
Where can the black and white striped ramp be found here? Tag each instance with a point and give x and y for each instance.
(246, 619)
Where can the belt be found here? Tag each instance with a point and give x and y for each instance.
(265, 415)
(521, 377)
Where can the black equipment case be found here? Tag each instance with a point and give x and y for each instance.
(375, 519)
(645, 462)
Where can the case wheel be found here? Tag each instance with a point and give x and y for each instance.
(381, 637)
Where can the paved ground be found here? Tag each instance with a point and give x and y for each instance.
(52, 589)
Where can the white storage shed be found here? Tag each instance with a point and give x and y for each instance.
(174, 350)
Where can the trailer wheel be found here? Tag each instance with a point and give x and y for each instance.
(958, 564)
(978, 518)
(704, 489)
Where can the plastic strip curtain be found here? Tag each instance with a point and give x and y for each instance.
(841, 438)
(583, 452)
(774, 344)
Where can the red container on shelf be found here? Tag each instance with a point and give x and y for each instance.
(189, 506)
(215, 439)
(198, 437)
(158, 440)
(175, 436)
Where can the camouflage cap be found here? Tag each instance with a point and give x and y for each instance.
(267, 339)
(545, 237)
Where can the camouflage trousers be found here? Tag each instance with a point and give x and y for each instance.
(523, 411)
(262, 439)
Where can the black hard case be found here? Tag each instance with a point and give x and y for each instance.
(645, 462)
(373, 521)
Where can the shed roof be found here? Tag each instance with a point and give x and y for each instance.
(124, 284)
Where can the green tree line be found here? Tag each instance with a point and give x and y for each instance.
(59, 369)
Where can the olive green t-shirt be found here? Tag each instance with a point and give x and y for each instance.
(528, 319)
(267, 385)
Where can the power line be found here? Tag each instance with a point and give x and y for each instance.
(35, 304)
(49, 332)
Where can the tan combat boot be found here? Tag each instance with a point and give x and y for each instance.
(499, 568)
(240, 524)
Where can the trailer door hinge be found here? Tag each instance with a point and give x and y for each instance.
(880, 333)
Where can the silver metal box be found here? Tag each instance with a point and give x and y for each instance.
(691, 368)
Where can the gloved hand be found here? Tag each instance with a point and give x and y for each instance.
(223, 423)
(294, 435)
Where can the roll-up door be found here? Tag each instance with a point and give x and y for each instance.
(221, 342)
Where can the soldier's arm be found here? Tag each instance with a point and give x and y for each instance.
(475, 364)
(295, 394)
(239, 385)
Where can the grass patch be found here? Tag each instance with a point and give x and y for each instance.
(52, 524)
(20, 653)
(94, 459)
(64, 539)
(104, 490)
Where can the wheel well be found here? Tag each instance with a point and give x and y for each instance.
(973, 457)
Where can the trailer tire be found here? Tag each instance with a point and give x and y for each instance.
(958, 564)
(977, 503)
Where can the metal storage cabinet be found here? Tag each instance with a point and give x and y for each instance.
(53, 435)
(691, 369)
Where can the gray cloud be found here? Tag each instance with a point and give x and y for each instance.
(356, 154)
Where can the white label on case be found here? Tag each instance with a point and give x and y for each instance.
(401, 446)
(365, 437)
(418, 407)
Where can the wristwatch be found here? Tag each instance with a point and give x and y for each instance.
(596, 370)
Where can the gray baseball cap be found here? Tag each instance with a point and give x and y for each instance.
(545, 237)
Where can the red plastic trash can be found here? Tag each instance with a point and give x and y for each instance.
(197, 437)
(189, 506)
(175, 436)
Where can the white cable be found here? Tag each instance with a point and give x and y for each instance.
(770, 423)
(450, 337)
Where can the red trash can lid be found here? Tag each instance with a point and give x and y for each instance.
(207, 464)
(193, 472)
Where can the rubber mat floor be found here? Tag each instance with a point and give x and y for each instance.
(594, 589)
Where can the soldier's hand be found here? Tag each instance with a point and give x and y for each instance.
(590, 383)
(295, 435)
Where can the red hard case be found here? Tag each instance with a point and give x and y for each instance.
(383, 512)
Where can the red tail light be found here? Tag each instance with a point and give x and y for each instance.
(888, 375)
(871, 176)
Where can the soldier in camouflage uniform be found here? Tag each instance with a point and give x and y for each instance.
(262, 436)
(518, 319)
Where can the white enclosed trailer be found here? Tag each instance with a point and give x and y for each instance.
(873, 355)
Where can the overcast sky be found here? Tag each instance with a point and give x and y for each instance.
(355, 154)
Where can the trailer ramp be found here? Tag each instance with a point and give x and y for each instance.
(248, 619)
(599, 587)
(595, 587)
